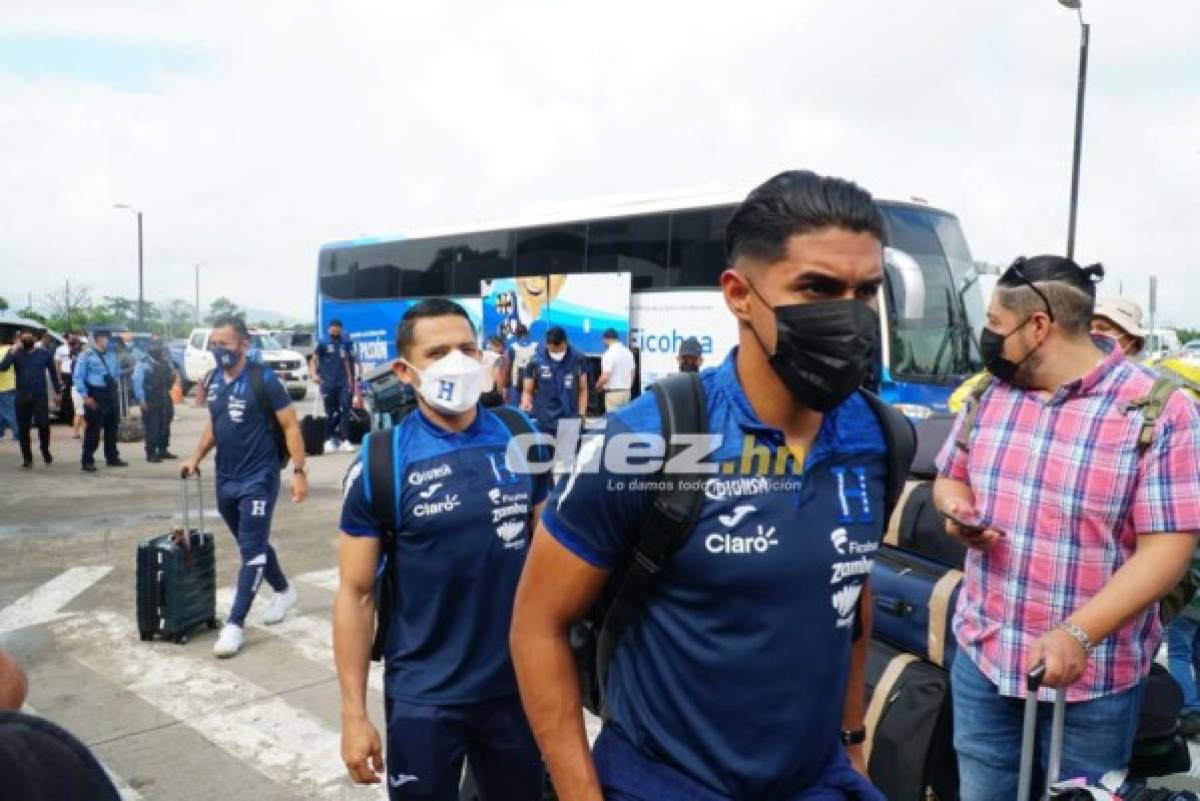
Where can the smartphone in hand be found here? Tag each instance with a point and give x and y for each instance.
(971, 527)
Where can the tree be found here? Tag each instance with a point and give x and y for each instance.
(223, 307)
(119, 309)
(70, 313)
(1188, 334)
(177, 316)
(3, 304)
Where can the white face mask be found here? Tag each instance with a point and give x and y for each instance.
(452, 384)
(558, 357)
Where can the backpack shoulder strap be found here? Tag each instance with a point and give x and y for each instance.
(971, 411)
(668, 521)
(901, 440)
(379, 475)
(514, 420)
(1152, 406)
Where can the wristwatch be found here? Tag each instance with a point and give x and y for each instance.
(854, 737)
(300, 471)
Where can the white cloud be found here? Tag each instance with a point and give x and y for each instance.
(303, 124)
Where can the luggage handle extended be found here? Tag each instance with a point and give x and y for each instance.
(1033, 682)
(184, 538)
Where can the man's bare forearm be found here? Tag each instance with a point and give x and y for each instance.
(353, 627)
(1154, 569)
(550, 694)
(853, 710)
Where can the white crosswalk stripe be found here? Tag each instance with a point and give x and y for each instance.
(42, 605)
(283, 742)
(311, 635)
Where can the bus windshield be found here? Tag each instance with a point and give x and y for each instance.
(930, 276)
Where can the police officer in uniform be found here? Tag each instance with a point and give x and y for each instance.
(465, 514)
(153, 379)
(97, 374)
(555, 387)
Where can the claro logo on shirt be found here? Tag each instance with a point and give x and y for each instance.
(447, 504)
(760, 542)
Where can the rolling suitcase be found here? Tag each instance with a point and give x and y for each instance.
(917, 527)
(312, 430)
(909, 748)
(177, 578)
(914, 600)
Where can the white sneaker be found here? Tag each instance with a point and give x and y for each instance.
(280, 604)
(330, 446)
(229, 642)
(347, 447)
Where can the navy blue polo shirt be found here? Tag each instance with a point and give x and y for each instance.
(335, 361)
(245, 446)
(736, 675)
(556, 390)
(464, 516)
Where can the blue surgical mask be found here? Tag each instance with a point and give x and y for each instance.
(225, 357)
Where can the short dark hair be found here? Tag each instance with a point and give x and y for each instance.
(610, 333)
(797, 202)
(430, 307)
(334, 322)
(556, 335)
(236, 323)
(522, 331)
(1051, 284)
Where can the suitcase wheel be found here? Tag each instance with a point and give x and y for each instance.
(146, 636)
(212, 624)
(180, 639)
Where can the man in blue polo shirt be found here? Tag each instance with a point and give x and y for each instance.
(742, 679)
(463, 515)
(555, 387)
(249, 411)
(33, 365)
(332, 367)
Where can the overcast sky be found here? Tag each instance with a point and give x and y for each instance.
(249, 133)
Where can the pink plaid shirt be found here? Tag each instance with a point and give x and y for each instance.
(1061, 476)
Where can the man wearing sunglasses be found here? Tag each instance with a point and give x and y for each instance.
(1076, 530)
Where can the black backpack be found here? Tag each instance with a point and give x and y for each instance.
(380, 454)
(670, 519)
(258, 387)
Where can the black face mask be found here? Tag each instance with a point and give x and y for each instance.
(991, 349)
(27, 344)
(689, 367)
(823, 350)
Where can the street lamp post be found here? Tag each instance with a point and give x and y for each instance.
(141, 300)
(1084, 37)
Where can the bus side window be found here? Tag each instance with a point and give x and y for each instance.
(635, 245)
(551, 250)
(698, 246)
(482, 257)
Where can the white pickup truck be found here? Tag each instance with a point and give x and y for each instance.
(287, 364)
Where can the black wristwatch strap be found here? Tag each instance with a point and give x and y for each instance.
(855, 737)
